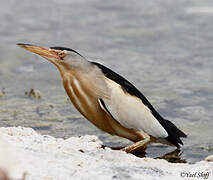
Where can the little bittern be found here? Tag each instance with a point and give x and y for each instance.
(108, 100)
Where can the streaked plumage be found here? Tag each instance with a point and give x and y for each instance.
(108, 100)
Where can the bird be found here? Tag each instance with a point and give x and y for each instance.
(108, 100)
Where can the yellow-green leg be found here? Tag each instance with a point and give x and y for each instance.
(137, 145)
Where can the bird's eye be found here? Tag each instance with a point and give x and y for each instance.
(61, 55)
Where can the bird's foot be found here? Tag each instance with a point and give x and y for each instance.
(138, 145)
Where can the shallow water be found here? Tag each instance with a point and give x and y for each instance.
(162, 47)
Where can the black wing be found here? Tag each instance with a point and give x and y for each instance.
(173, 131)
(127, 86)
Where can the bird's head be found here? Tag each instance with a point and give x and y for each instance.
(63, 58)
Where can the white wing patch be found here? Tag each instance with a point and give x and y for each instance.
(130, 112)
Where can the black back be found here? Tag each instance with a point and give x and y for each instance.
(172, 130)
(127, 86)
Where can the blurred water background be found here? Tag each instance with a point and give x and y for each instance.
(163, 47)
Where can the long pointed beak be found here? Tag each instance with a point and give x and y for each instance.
(42, 51)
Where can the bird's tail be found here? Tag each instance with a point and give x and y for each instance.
(174, 134)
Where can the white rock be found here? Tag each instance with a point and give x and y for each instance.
(10, 159)
(45, 157)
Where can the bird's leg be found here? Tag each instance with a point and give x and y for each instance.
(136, 145)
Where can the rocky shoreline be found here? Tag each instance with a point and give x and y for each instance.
(25, 154)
